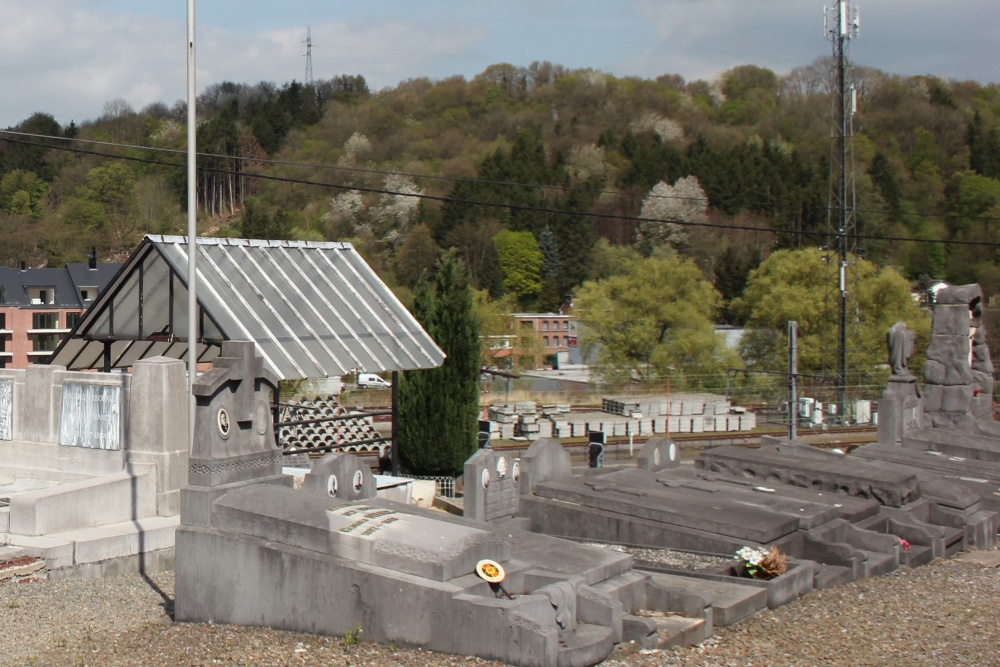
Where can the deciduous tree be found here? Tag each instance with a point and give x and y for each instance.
(653, 321)
(801, 285)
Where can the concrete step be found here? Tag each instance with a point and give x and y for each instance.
(587, 645)
(85, 550)
(877, 562)
(681, 631)
(828, 576)
(731, 602)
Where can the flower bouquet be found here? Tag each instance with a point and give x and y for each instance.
(760, 563)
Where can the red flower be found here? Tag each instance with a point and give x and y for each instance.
(905, 544)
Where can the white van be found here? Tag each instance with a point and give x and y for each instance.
(372, 381)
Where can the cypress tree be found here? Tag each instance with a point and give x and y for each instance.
(439, 407)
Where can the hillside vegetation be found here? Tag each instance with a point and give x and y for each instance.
(540, 177)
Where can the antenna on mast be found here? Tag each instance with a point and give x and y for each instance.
(309, 56)
(842, 23)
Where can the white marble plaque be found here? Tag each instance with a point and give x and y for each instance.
(6, 409)
(91, 416)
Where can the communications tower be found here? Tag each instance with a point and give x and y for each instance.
(309, 56)
(842, 23)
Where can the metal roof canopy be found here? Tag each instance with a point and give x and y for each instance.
(312, 309)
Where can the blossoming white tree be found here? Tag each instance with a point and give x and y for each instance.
(667, 205)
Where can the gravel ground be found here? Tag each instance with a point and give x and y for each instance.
(940, 614)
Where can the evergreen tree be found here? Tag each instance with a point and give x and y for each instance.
(984, 147)
(439, 407)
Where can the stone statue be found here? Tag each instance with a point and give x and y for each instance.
(900, 342)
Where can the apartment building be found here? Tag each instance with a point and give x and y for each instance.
(38, 307)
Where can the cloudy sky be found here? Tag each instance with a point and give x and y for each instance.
(69, 57)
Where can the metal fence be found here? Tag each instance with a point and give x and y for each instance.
(443, 486)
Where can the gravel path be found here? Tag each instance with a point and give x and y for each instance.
(940, 614)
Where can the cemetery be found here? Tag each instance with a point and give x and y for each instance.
(542, 562)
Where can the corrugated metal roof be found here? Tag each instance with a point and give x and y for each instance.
(313, 309)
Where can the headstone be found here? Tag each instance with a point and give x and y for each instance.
(491, 485)
(234, 432)
(341, 476)
(659, 454)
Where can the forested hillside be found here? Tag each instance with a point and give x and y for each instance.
(541, 177)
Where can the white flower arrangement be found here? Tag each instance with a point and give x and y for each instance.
(761, 563)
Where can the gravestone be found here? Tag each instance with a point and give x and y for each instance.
(491, 485)
(234, 432)
(659, 454)
(342, 476)
(234, 441)
(958, 375)
(900, 408)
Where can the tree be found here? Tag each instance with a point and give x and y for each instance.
(801, 285)
(439, 407)
(521, 262)
(654, 321)
(665, 206)
(551, 273)
(417, 255)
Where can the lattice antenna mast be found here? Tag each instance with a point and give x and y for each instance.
(841, 24)
(309, 56)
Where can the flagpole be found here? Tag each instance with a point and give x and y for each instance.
(192, 211)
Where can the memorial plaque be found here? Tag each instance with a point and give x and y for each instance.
(91, 416)
(6, 409)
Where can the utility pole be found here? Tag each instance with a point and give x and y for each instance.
(841, 25)
(793, 369)
(309, 56)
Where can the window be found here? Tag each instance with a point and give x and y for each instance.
(566, 341)
(41, 296)
(72, 319)
(545, 326)
(545, 341)
(45, 320)
(3, 320)
(46, 343)
(565, 325)
(88, 294)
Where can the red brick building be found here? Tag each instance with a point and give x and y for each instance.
(38, 307)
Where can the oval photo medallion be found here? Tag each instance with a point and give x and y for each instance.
(223, 421)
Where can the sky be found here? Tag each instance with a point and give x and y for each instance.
(69, 58)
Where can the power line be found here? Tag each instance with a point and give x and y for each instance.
(504, 205)
(458, 179)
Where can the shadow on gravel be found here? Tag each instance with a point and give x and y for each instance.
(167, 602)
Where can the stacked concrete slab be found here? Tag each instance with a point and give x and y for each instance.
(346, 429)
(91, 466)
(621, 416)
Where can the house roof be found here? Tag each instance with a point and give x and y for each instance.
(312, 309)
(65, 283)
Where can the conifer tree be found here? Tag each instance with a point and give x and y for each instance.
(439, 407)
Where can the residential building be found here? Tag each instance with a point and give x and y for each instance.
(544, 338)
(38, 307)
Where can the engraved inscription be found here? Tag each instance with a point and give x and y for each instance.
(91, 416)
(6, 409)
